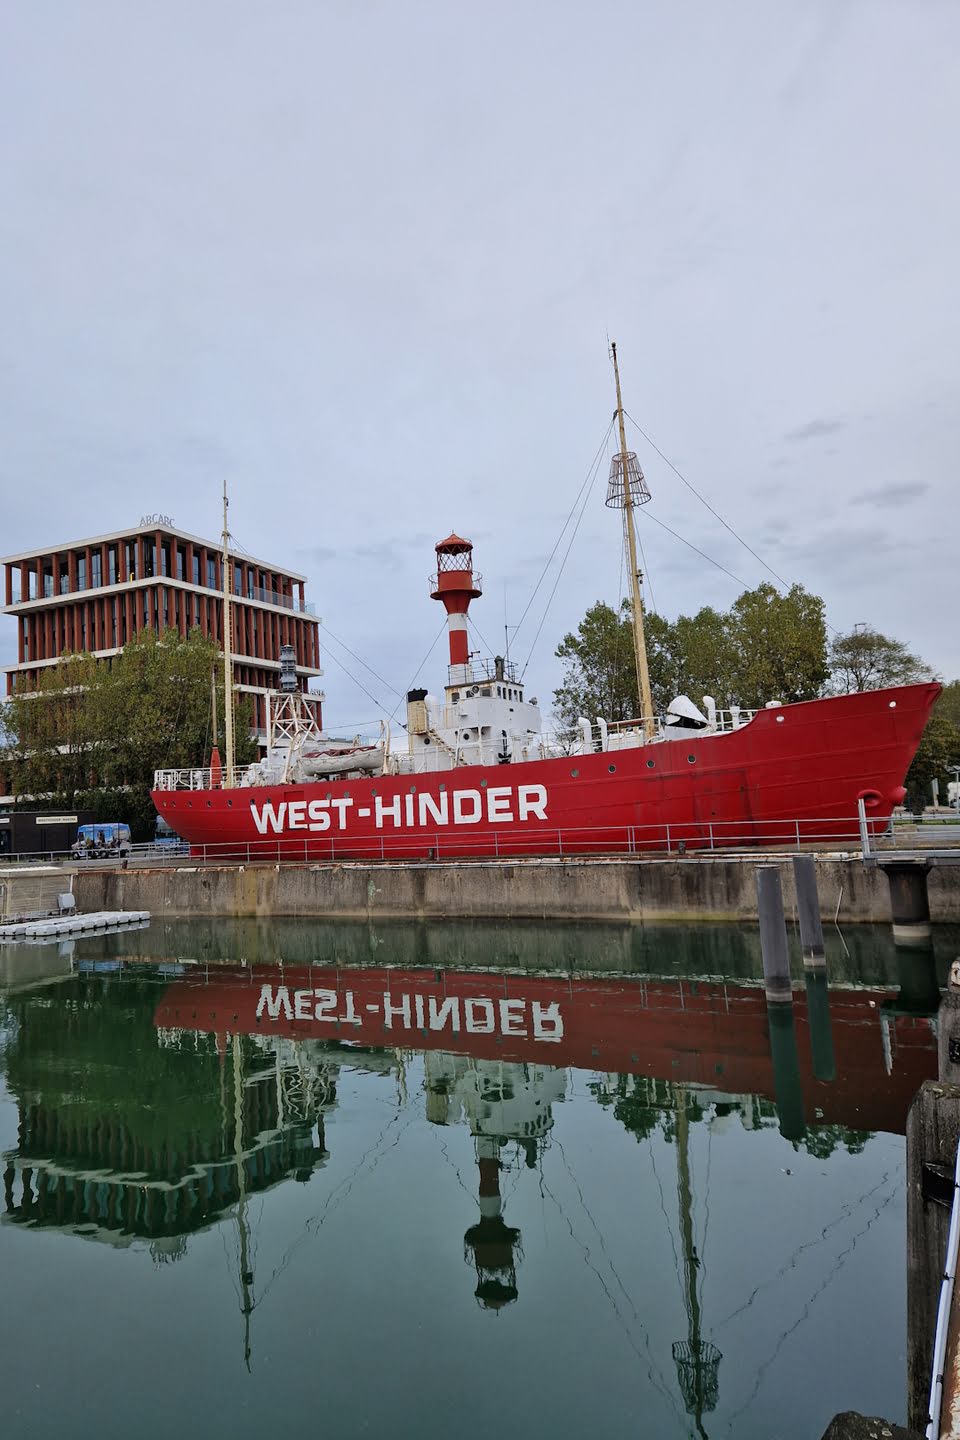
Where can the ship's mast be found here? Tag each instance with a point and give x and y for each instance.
(631, 476)
(227, 648)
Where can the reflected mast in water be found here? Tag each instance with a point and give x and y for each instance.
(697, 1360)
(247, 1302)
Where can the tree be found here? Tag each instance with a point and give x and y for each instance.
(779, 646)
(768, 646)
(93, 732)
(937, 753)
(866, 660)
(704, 656)
(599, 668)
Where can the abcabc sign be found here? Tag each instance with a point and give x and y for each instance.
(156, 519)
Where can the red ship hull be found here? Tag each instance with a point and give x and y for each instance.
(794, 773)
(706, 1032)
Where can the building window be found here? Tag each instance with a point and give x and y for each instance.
(64, 578)
(96, 569)
(211, 573)
(81, 572)
(166, 608)
(181, 563)
(196, 568)
(196, 609)
(26, 638)
(237, 579)
(113, 625)
(112, 565)
(165, 558)
(131, 548)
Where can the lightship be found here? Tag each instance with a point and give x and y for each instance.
(478, 776)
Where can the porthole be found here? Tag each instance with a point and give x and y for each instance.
(574, 773)
(483, 784)
(779, 719)
(893, 704)
(230, 804)
(209, 804)
(649, 764)
(612, 769)
(691, 759)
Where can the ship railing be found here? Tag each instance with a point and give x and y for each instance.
(854, 835)
(634, 732)
(185, 779)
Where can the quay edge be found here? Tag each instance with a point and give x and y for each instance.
(629, 890)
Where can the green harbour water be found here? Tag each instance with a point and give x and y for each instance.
(444, 1179)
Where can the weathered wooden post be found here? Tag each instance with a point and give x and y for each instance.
(773, 936)
(775, 951)
(948, 1029)
(808, 910)
(933, 1130)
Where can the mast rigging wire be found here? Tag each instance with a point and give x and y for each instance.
(344, 646)
(549, 561)
(359, 683)
(690, 545)
(586, 491)
(423, 662)
(703, 501)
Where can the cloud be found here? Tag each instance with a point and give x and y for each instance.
(888, 496)
(814, 429)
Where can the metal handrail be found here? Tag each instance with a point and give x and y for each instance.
(532, 842)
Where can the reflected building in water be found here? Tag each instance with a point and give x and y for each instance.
(162, 1134)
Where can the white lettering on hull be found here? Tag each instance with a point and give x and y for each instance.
(496, 805)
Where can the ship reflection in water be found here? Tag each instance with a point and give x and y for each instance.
(681, 1202)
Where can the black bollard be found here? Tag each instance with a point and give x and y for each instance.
(821, 1033)
(909, 902)
(787, 1093)
(773, 936)
(808, 910)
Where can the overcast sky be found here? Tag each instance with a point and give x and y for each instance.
(363, 258)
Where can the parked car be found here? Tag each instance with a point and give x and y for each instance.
(103, 840)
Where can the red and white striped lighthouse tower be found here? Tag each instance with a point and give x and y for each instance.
(456, 585)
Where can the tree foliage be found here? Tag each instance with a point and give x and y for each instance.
(864, 659)
(937, 753)
(767, 646)
(93, 732)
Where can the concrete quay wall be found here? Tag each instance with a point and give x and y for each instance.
(568, 890)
